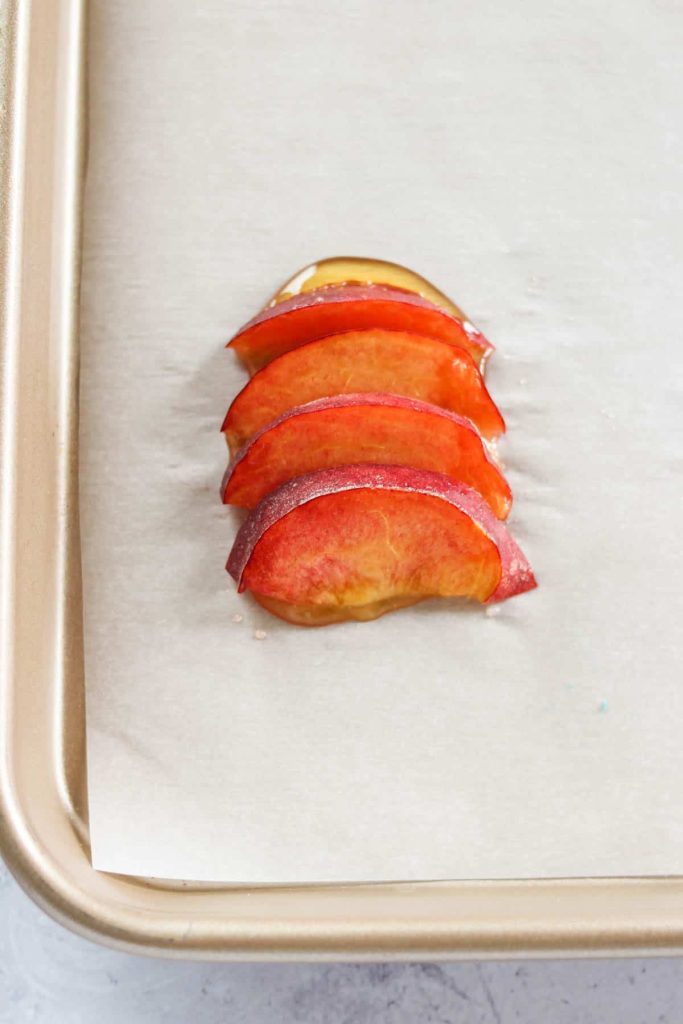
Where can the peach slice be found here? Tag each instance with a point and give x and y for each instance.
(367, 428)
(357, 541)
(314, 315)
(357, 361)
(360, 270)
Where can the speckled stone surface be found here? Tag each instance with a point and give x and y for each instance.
(48, 975)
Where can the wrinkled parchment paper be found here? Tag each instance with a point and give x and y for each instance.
(529, 163)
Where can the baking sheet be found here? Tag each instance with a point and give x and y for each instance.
(522, 165)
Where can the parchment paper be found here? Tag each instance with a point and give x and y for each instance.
(528, 160)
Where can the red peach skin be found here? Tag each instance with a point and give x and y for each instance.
(375, 360)
(357, 541)
(367, 428)
(316, 314)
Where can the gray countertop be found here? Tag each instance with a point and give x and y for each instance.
(48, 975)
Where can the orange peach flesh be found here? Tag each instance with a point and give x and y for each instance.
(359, 553)
(356, 361)
(358, 429)
(332, 310)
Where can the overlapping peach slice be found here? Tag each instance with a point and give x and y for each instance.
(358, 361)
(356, 541)
(365, 428)
(313, 315)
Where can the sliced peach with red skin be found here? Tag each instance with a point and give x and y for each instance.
(314, 315)
(357, 361)
(366, 428)
(357, 541)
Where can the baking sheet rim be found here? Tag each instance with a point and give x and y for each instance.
(43, 834)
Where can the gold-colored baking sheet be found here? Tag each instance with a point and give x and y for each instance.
(43, 813)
